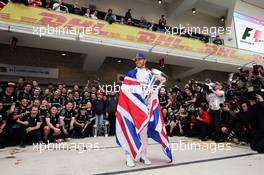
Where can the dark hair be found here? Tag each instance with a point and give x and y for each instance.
(23, 78)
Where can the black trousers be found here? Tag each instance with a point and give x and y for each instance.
(17, 135)
(257, 143)
(200, 129)
(112, 121)
(3, 138)
(33, 136)
(216, 124)
(79, 132)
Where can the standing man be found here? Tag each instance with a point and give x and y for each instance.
(215, 98)
(111, 104)
(133, 125)
(99, 106)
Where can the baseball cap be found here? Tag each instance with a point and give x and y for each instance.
(140, 55)
(11, 84)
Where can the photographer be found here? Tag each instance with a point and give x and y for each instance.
(226, 121)
(257, 142)
(258, 72)
(215, 98)
(200, 122)
(110, 17)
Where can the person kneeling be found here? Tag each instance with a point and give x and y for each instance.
(52, 130)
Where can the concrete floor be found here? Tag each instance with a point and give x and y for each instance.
(102, 156)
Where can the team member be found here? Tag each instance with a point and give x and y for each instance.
(18, 121)
(8, 98)
(52, 128)
(33, 127)
(81, 123)
(29, 129)
(91, 119)
(99, 106)
(3, 126)
(67, 117)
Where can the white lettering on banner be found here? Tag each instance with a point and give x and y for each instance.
(28, 71)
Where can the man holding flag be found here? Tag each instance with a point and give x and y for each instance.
(139, 117)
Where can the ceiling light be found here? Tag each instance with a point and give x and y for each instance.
(193, 10)
(159, 1)
(63, 54)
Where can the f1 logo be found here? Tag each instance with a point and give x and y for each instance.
(257, 34)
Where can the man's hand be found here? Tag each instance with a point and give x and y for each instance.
(259, 98)
(181, 131)
(236, 111)
(28, 129)
(25, 123)
(57, 131)
(199, 118)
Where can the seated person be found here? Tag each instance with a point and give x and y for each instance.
(173, 121)
(218, 40)
(94, 15)
(30, 127)
(162, 24)
(184, 122)
(47, 4)
(59, 7)
(226, 121)
(52, 128)
(110, 17)
(166, 119)
(143, 22)
(77, 10)
(17, 122)
(81, 123)
(67, 117)
(201, 123)
(35, 3)
(33, 127)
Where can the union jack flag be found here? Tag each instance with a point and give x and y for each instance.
(133, 114)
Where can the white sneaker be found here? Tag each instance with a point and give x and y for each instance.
(129, 161)
(145, 160)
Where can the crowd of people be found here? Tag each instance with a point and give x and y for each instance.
(232, 111)
(29, 114)
(110, 17)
